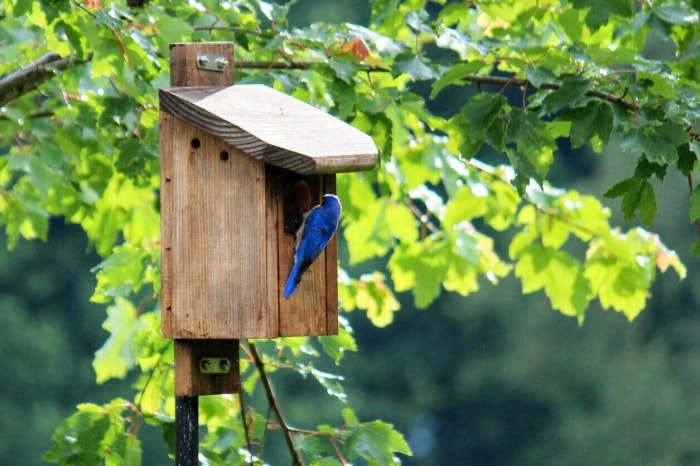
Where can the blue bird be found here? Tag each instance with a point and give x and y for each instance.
(318, 227)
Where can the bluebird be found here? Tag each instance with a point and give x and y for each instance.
(315, 231)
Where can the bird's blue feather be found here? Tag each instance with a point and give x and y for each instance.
(314, 234)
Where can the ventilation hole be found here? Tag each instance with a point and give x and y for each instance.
(223, 156)
(195, 143)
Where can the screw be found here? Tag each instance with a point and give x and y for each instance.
(203, 60)
(221, 63)
(204, 364)
(225, 364)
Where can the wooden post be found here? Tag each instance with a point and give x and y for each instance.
(184, 72)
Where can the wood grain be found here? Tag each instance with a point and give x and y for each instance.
(190, 381)
(218, 241)
(274, 127)
(183, 64)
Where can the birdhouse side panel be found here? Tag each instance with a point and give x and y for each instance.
(313, 308)
(167, 138)
(217, 255)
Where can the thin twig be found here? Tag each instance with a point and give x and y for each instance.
(227, 28)
(244, 421)
(272, 401)
(275, 65)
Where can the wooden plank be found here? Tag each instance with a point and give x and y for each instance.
(218, 259)
(168, 128)
(274, 127)
(273, 201)
(189, 379)
(183, 64)
(331, 264)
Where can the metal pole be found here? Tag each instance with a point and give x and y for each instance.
(186, 431)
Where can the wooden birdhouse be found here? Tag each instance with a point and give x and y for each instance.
(240, 165)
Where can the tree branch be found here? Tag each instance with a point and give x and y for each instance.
(272, 401)
(495, 80)
(503, 81)
(32, 76)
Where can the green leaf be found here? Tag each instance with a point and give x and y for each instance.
(676, 13)
(533, 152)
(371, 293)
(419, 267)
(95, 435)
(414, 66)
(594, 118)
(573, 87)
(327, 462)
(538, 76)
(600, 11)
(41, 175)
(621, 188)
(647, 203)
(116, 356)
(658, 143)
(335, 346)
(79, 437)
(637, 194)
(561, 277)
(172, 29)
(377, 442)
(314, 449)
(482, 122)
(695, 205)
(686, 159)
(455, 75)
(620, 286)
(344, 69)
(695, 249)
(120, 274)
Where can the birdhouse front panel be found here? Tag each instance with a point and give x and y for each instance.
(214, 238)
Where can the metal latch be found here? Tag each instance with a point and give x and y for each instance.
(211, 62)
(214, 365)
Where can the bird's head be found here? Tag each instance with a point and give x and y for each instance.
(331, 203)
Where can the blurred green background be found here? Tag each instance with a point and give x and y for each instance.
(494, 379)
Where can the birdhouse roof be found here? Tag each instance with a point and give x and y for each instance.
(273, 127)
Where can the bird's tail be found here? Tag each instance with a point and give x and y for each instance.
(291, 286)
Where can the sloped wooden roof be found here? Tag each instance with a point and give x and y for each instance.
(274, 127)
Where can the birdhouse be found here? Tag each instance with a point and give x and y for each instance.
(240, 166)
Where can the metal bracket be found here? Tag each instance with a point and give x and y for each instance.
(211, 62)
(214, 365)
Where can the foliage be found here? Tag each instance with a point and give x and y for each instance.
(84, 146)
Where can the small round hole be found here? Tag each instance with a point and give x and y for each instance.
(223, 156)
(195, 143)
